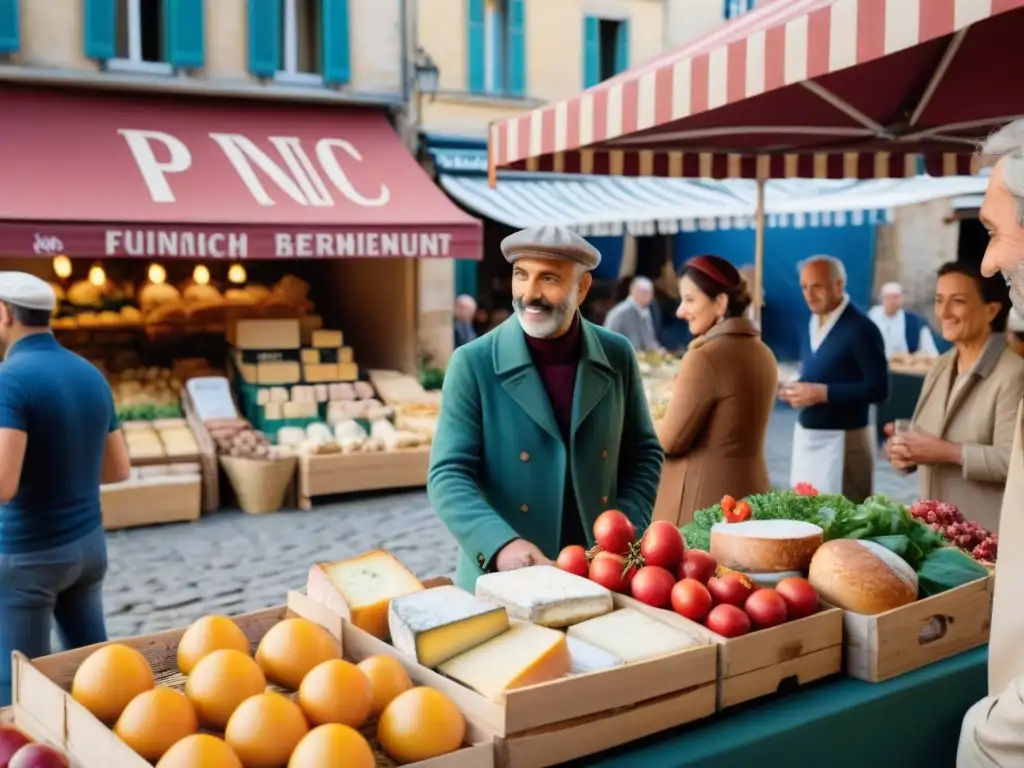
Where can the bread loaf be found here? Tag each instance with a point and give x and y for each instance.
(862, 576)
(765, 546)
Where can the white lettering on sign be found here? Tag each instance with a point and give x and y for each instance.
(300, 178)
(47, 245)
(157, 243)
(307, 245)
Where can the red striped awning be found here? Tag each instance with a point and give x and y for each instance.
(795, 88)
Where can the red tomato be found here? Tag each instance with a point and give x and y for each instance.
(653, 585)
(731, 589)
(662, 545)
(607, 570)
(728, 503)
(691, 599)
(766, 608)
(614, 532)
(698, 565)
(728, 621)
(800, 598)
(737, 514)
(573, 559)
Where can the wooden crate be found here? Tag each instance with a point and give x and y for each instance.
(174, 499)
(43, 704)
(207, 455)
(760, 663)
(889, 644)
(548, 724)
(335, 473)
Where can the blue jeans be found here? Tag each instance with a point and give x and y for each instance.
(64, 583)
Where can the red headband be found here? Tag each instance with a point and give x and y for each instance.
(705, 265)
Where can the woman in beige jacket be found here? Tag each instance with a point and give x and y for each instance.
(714, 430)
(962, 432)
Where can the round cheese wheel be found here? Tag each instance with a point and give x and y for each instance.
(765, 546)
(862, 577)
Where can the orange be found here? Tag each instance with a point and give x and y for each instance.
(200, 751)
(208, 634)
(293, 647)
(156, 720)
(333, 746)
(420, 724)
(109, 678)
(336, 691)
(265, 729)
(220, 682)
(388, 678)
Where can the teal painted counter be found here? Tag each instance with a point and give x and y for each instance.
(912, 721)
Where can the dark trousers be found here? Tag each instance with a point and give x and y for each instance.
(63, 584)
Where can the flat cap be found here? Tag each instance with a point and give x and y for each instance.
(28, 291)
(550, 242)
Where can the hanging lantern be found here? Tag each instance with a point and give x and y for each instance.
(236, 274)
(157, 274)
(97, 276)
(62, 267)
(201, 275)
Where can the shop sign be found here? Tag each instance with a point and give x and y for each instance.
(296, 173)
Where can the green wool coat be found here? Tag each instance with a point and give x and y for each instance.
(498, 462)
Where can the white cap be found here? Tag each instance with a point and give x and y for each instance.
(28, 291)
(1015, 322)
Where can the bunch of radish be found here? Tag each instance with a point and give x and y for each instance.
(658, 570)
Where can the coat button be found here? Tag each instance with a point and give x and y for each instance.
(480, 560)
(524, 508)
(604, 499)
(604, 454)
(524, 456)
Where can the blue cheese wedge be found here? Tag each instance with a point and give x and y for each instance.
(545, 595)
(632, 636)
(438, 624)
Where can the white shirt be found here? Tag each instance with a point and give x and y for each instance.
(820, 327)
(894, 333)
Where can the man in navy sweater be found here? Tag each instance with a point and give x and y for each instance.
(843, 372)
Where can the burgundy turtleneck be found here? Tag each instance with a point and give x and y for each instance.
(557, 360)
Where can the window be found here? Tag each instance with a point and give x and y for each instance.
(496, 47)
(734, 8)
(301, 43)
(139, 37)
(605, 49)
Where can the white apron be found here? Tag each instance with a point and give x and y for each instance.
(819, 455)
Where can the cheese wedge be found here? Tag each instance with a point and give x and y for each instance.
(525, 655)
(632, 636)
(440, 623)
(588, 658)
(545, 595)
(361, 588)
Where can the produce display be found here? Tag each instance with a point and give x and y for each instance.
(865, 558)
(968, 535)
(319, 709)
(658, 570)
(143, 394)
(237, 438)
(18, 750)
(520, 628)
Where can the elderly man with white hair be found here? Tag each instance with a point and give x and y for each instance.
(633, 318)
(903, 332)
(843, 372)
(464, 315)
(993, 730)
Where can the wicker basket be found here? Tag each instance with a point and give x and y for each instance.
(260, 485)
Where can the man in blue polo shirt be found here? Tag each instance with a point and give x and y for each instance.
(59, 439)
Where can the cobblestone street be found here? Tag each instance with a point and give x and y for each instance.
(167, 576)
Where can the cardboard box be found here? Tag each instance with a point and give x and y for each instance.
(760, 663)
(42, 701)
(265, 334)
(889, 644)
(548, 724)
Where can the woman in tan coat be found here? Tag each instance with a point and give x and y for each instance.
(962, 432)
(714, 430)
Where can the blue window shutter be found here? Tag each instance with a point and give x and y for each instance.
(591, 51)
(336, 42)
(476, 47)
(622, 47)
(99, 28)
(184, 40)
(466, 277)
(264, 37)
(515, 21)
(10, 26)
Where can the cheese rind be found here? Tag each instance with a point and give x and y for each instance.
(632, 636)
(361, 588)
(545, 595)
(440, 623)
(525, 655)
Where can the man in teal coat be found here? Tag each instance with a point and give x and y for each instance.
(543, 422)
